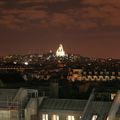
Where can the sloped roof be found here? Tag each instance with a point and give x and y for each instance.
(118, 113)
(98, 108)
(6, 96)
(62, 104)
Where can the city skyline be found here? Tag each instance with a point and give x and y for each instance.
(88, 27)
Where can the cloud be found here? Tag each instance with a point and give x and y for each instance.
(101, 2)
(62, 20)
(10, 21)
(66, 14)
(2, 2)
(41, 1)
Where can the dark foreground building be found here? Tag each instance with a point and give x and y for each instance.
(26, 104)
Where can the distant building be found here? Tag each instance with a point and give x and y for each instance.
(60, 51)
(80, 75)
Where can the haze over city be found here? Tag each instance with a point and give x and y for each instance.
(87, 27)
(59, 60)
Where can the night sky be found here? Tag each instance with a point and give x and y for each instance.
(87, 27)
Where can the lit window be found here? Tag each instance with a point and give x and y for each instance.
(113, 96)
(70, 117)
(4, 115)
(94, 117)
(55, 117)
(44, 116)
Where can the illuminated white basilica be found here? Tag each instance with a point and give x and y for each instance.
(60, 51)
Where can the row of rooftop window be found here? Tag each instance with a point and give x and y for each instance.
(90, 73)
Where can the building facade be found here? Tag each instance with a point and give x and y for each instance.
(80, 75)
(26, 104)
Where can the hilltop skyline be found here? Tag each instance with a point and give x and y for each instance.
(87, 27)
